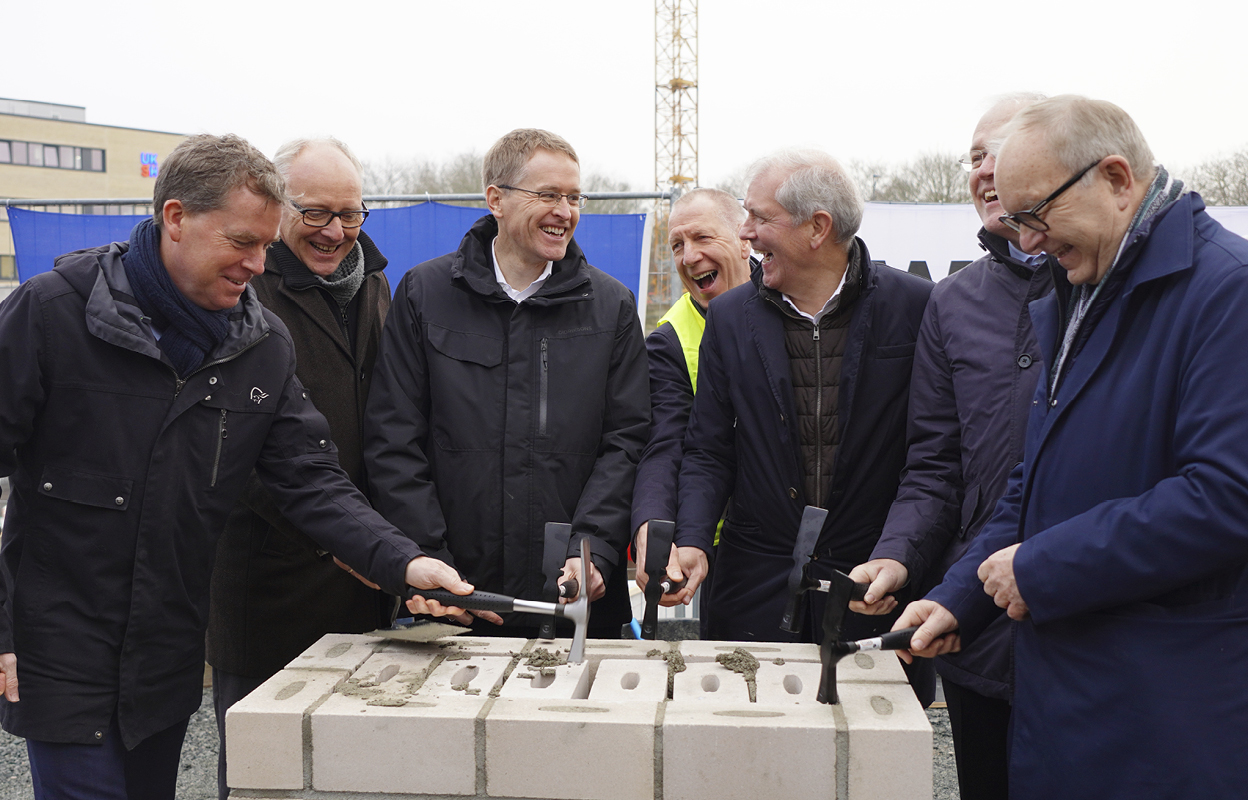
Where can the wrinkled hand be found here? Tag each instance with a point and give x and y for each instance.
(674, 572)
(8, 676)
(934, 621)
(356, 575)
(885, 576)
(424, 572)
(997, 573)
(572, 569)
(693, 567)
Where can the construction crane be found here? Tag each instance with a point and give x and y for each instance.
(675, 125)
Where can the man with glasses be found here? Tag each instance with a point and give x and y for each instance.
(511, 391)
(1120, 547)
(275, 592)
(975, 369)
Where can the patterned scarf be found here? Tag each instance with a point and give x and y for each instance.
(189, 332)
(1161, 194)
(342, 283)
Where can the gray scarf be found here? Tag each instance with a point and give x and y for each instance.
(344, 282)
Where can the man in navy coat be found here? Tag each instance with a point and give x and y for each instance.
(803, 381)
(1120, 546)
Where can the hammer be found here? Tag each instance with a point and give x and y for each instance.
(554, 555)
(800, 581)
(577, 610)
(658, 551)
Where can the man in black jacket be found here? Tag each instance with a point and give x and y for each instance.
(975, 371)
(510, 391)
(274, 591)
(143, 382)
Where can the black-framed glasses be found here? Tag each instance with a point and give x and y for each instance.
(320, 217)
(973, 159)
(551, 198)
(1029, 219)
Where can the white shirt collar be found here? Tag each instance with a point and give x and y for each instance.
(519, 295)
(816, 317)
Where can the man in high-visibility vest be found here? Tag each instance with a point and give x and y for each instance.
(711, 259)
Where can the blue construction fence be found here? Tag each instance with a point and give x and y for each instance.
(614, 243)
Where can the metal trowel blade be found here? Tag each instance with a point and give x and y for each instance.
(420, 631)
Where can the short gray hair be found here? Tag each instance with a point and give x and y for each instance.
(816, 182)
(287, 153)
(1081, 131)
(204, 169)
(727, 207)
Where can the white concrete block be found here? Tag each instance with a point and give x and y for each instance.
(470, 676)
(481, 646)
(563, 682)
(890, 742)
(873, 667)
(630, 680)
(264, 730)
(389, 677)
(341, 651)
(788, 684)
(598, 649)
(573, 750)
(698, 650)
(748, 751)
(426, 746)
(708, 682)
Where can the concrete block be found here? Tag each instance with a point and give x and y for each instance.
(749, 751)
(598, 649)
(563, 682)
(630, 680)
(341, 651)
(466, 675)
(890, 742)
(788, 684)
(481, 646)
(698, 650)
(264, 730)
(573, 750)
(873, 667)
(389, 677)
(426, 746)
(706, 682)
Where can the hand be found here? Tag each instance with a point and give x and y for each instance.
(693, 568)
(8, 676)
(885, 576)
(424, 572)
(674, 572)
(930, 640)
(997, 573)
(357, 575)
(572, 569)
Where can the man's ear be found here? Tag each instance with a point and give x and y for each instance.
(1121, 180)
(172, 215)
(494, 200)
(821, 229)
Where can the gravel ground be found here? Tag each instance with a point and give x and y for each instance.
(198, 779)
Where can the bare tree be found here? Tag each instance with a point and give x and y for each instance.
(1222, 181)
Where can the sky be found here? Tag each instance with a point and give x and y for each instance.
(873, 82)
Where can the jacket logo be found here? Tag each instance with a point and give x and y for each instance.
(257, 395)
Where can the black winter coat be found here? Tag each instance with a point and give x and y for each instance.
(743, 441)
(975, 371)
(122, 477)
(488, 419)
(274, 591)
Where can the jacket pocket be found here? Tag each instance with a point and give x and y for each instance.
(471, 347)
(99, 491)
(895, 351)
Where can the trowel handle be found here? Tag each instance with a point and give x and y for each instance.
(479, 601)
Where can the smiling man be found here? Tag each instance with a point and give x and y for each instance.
(510, 392)
(975, 370)
(1119, 549)
(803, 376)
(710, 259)
(143, 381)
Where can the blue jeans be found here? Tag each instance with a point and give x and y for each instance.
(108, 771)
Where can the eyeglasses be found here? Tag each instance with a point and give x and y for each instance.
(552, 198)
(1020, 219)
(320, 217)
(973, 159)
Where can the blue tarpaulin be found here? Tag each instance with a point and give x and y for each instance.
(407, 236)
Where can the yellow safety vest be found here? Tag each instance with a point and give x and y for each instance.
(689, 325)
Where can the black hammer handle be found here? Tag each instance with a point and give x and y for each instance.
(569, 588)
(480, 601)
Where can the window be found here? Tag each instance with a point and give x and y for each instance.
(35, 154)
(6, 156)
(19, 152)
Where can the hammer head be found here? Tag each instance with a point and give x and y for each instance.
(841, 590)
(578, 610)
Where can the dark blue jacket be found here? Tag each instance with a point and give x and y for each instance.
(1130, 508)
(743, 441)
(975, 371)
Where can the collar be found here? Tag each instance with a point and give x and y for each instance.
(519, 295)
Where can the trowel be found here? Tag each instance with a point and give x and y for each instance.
(409, 629)
(800, 581)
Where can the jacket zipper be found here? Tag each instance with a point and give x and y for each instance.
(818, 420)
(221, 436)
(541, 409)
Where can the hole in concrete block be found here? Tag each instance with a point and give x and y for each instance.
(465, 675)
(290, 690)
(710, 683)
(541, 680)
(387, 672)
(629, 680)
(792, 684)
(881, 705)
(864, 661)
(339, 649)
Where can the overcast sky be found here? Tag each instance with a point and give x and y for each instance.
(869, 81)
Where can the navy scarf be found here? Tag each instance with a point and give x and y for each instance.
(188, 332)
